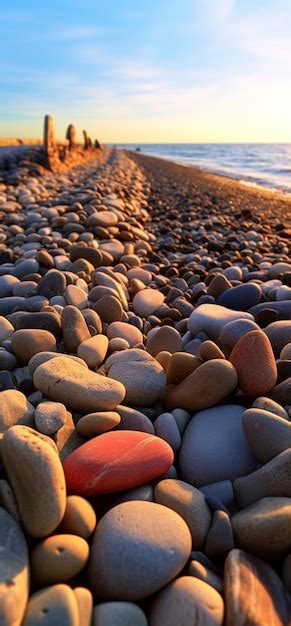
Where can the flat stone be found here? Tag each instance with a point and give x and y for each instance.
(133, 419)
(138, 547)
(190, 503)
(269, 405)
(211, 318)
(116, 461)
(254, 361)
(264, 527)
(44, 320)
(14, 571)
(214, 447)
(147, 301)
(271, 479)
(36, 476)
(142, 376)
(56, 604)
(209, 384)
(109, 308)
(253, 591)
(185, 599)
(241, 297)
(125, 331)
(43, 357)
(102, 218)
(15, 409)
(267, 433)
(76, 296)
(26, 343)
(97, 423)
(66, 381)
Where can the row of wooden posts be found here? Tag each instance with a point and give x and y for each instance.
(49, 138)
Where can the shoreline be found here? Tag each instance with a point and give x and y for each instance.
(247, 182)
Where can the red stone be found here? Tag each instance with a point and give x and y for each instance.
(254, 361)
(116, 461)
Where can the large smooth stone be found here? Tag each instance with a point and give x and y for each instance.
(211, 318)
(28, 342)
(36, 477)
(241, 297)
(142, 376)
(185, 600)
(127, 331)
(164, 338)
(116, 461)
(138, 547)
(254, 594)
(190, 503)
(74, 327)
(209, 384)
(147, 301)
(264, 528)
(64, 380)
(214, 447)
(254, 361)
(14, 571)
(271, 479)
(14, 409)
(267, 433)
(118, 614)
(51, 606)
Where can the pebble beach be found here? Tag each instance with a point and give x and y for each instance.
(145, 396)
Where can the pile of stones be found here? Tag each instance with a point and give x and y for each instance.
(145, 401)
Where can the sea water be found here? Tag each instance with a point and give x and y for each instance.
(267, 165)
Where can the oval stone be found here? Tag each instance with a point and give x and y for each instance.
(66, 381)
(14, 571)
(184, 600)
(254, 361)
(58, 558)
(116, 461)
(53, 605)
(36, 477)
(138, 547)
(214, 447)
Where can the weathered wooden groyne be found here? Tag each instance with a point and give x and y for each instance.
(52, 154)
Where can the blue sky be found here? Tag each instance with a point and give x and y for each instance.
(160, 70)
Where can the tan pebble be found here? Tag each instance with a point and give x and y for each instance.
(79, 518)
(209, 350)
(45, 356)
(85, 605)
(164, 358)
(264, 527)
(180, 366)
(58, 558)
(147, 301)
(67, 440)
(52, 606)
(14, 571)
(93, 351)
(218, 285)
(117, 344)
(118, 614)
(253, 592)
(28, 342)
(15, 409)
(36, 476)
(210, 383)
(109, 308)
(270, 405)
(136, 285)
(64, 380)
(198, 570)
(219, 540)
(184, 599)
(126, 331)
(76, 296)
(74, 328)
(142, 376)
(164, 338)
(95, 424)
(190, 503)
